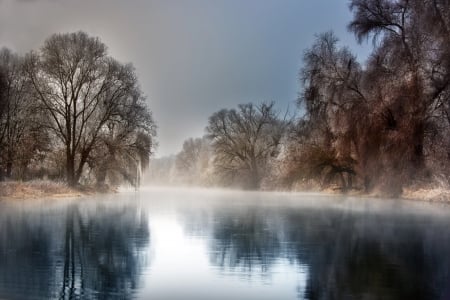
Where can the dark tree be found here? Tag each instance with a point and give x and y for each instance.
(244, 140)
(2, 110)
(322, 143)
(21, 135)
(385, 125)
(83, 91)
(409, 73)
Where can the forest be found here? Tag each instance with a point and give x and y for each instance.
(382, 125)
(70, 112)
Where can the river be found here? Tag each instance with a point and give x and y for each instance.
(163, 243)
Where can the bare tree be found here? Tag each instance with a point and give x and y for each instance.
(2, 91)
(411, 66)
(3, 85)
(386, 124)
(193, 162)
(333, 105)
(187, 159)
(243, 140)
(124, 147)
(194, 155)
(81, 89)
(2, 110)
(20, 133)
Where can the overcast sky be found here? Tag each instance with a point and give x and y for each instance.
(193, 57)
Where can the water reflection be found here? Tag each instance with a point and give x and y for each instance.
(347, 254)
(355, 256)
(209, 245)
(25, 254)
(245, 241)
(72, 252)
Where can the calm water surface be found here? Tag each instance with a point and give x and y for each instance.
(200, 244)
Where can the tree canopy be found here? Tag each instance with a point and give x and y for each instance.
(92, 105)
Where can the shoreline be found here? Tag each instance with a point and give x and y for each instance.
(42, 189)
(423, 194)
(45, 189)
(431, 195)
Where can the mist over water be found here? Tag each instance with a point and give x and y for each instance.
(163, 243)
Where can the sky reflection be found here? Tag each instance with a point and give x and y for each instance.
(200, 244)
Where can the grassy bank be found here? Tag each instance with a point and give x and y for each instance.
(18, 190)
(432, 194)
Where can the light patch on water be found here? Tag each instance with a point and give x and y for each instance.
(181, 269)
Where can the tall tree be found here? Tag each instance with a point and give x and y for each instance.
(2, 99)
(81, 89)
(2, 109)
(244, 139)
(412, 50)
(333, 106)
(20, 133)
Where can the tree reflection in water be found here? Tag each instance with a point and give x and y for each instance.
(98, 251)
(244, 241)
(348, 255)
(89, 253)
(24, 249)
(373, 256)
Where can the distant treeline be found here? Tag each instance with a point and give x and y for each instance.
(71, 112)
(383, 125)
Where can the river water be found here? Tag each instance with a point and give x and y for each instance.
(207, 244)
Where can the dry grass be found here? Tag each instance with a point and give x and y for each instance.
(438, 191)
(35, 189)
(436, 194)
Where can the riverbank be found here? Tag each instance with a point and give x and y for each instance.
(428, 194)
(36, 189)
(425, 194)
(18, 190)
(439, 193)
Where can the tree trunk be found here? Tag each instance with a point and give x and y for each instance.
(83, 160)
(367, 185)
(9, 165)
(70, 169)
(254, 180)
(418, 155)
(343, 182)
(101, 177)
(349, 181)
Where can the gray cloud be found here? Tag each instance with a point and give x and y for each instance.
(193, 57)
